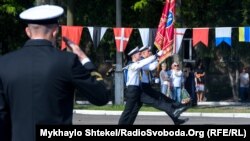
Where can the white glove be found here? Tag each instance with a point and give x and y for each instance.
(157, 80)
(159, 53)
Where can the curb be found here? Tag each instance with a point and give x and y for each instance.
(205, 103)
(104, 112)
(211, 103)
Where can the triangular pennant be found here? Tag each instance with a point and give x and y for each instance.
(122, 36)
(200, 35)
(74, 33)
(179, 33)
(144, 32)
(223, 34)
(103, 31)
(96, 34)
(244, 34)
(91, 32)
(152, 34)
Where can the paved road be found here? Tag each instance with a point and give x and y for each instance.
(83, 119)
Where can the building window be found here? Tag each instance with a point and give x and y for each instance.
(188, 50)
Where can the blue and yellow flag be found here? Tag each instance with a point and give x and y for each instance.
(244, 34)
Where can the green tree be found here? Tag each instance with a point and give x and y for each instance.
(11, 30)
(220, 60)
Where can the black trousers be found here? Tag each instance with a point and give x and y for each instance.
(157, 100)
(146, 87)
(132, 107)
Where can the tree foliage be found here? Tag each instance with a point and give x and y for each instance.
(142, 13)
(11, 30)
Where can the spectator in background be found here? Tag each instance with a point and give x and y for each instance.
(164, 79)
(177, 81)
(190, 83)
(200, 81)
(244, 85)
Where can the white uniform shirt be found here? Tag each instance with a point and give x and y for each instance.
(134, 70)
(146, 71)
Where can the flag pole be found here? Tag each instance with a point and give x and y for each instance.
(118, 71)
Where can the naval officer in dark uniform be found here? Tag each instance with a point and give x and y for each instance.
(37, 82)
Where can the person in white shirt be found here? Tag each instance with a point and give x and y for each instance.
(177, 81)
(244, 85)
(155, 98)
(133, 92)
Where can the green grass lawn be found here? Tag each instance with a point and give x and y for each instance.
(203, 109)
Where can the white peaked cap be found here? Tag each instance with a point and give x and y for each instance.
(144, 48)
(42, 13)
(135, 50)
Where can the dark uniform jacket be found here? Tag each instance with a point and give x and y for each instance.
(37, 84)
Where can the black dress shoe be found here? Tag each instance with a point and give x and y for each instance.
(177, 112)
(177, 105)
(180, 121)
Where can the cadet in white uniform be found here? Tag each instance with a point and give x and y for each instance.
(133, 92)
(154, 98)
